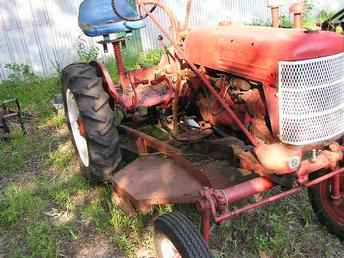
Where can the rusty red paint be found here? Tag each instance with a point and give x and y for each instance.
(120, 64)
(272, 199)
(206, 221)
(276, 157)
(171, 152)
(248, 208)
(246, 189)
(272, 106)
(325, 160)
(275, 14)
(330, 200)
(253, 52)
(297, 10)
(137, 88)
(337, 189)
(82, 128)
(154, 180)
(204, 79)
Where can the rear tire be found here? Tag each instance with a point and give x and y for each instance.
(83, 88)
(176, 236)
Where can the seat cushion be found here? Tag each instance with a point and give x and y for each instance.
(97, 17)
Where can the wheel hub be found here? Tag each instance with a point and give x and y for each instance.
(168, 250)
(82, 128)
(333, 199)
(77, 127)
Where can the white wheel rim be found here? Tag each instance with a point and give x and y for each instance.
(167, 248)
(73, 116)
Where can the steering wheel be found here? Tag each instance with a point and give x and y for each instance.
(130, 19)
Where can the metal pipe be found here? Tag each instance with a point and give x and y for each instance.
(181, 55)
(206, 220)
(297, 11)
(247, 189)
(188, 15)
(275, 12)
(120, 64)
(324, 178)
(298, 21)
(337, 191)
(175, 107)
(272, 199)
(325, 160)
(257, 205)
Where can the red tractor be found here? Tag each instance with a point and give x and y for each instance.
(270, 99)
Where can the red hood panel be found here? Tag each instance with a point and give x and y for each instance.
(254, 52)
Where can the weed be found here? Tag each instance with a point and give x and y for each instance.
(126, 244)
(151, 58)
(41, 240)
(19, 203)
(134, 61)
(96, 214)
(58, 121)
(61, 194)
(86, 51)
(21, 73)
(63, 156)
(13, 154)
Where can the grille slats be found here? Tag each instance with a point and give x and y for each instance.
(311, 100)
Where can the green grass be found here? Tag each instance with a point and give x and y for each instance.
(14, 154)
(46, 205)
(34, 97)
(62, 193)
(41, 239)
(19, 203)
(29, 205)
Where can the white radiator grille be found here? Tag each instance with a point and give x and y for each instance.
(311, 100)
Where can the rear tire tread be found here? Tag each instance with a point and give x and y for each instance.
(98, 117)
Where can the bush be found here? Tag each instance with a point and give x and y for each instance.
(21, 73)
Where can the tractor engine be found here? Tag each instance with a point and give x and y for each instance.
(244, 97)
(286, 85)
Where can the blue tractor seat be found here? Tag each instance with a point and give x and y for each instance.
(97, 18)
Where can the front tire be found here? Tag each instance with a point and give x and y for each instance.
(329, 212)
(176, 237)
(91, 121)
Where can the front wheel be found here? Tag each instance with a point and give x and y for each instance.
(329, 210)
(176, 237)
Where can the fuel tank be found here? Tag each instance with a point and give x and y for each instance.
(254, 52)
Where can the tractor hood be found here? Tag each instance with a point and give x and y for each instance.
(254, 52)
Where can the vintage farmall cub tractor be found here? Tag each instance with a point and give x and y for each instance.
(271, 99)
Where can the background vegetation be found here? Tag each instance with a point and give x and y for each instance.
(47, 209)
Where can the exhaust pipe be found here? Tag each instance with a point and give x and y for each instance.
(275, 12)
(297, 10)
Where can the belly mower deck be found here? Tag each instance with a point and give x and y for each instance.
(156, 180)
(165, 178)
